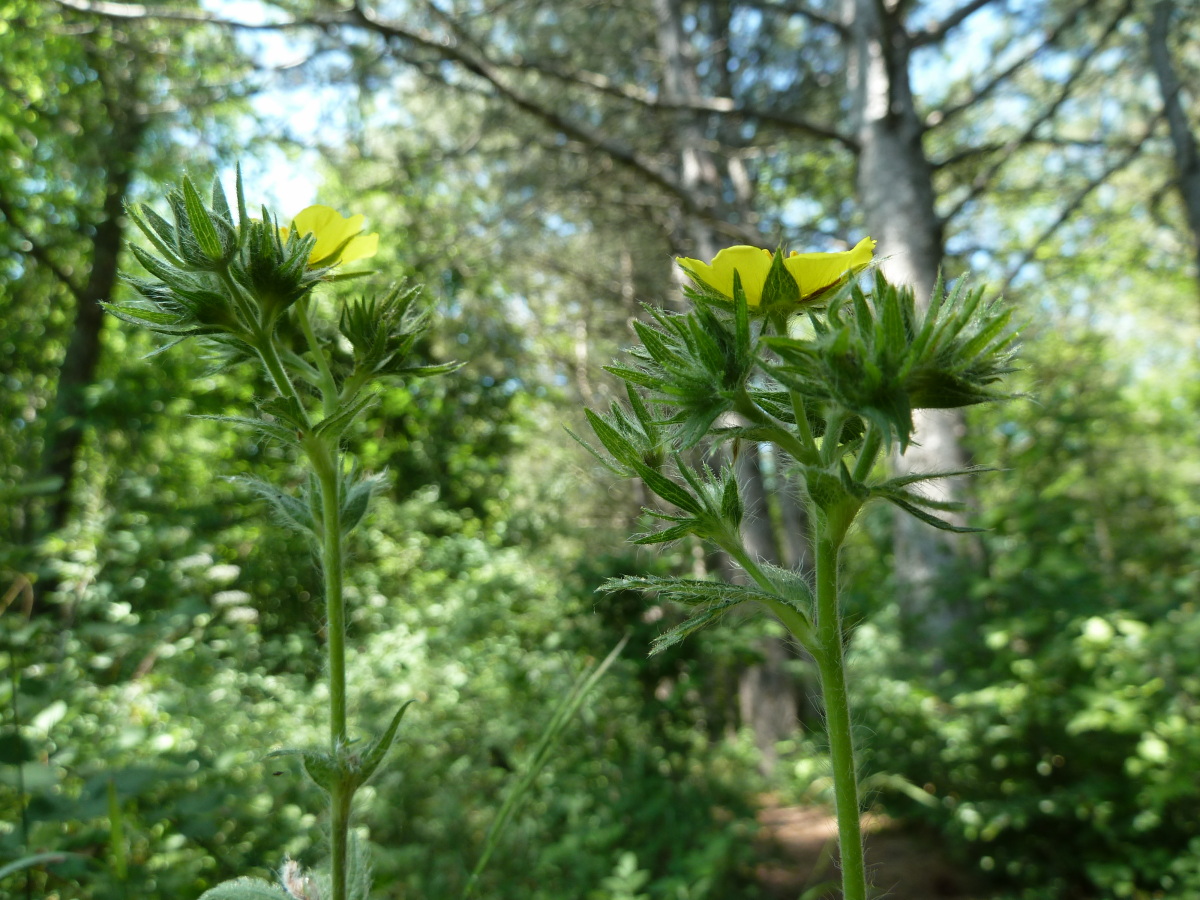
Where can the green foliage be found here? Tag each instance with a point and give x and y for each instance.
(1060, 735)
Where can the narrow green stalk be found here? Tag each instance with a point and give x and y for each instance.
(779, 433)
(329, 390)
(831, 663)
(866, 457)
(327, 466)
(340, 824)
(279, 377)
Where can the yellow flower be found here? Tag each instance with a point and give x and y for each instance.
(332, 230)
(813, 271)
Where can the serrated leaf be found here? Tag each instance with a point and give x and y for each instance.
(140, 316)
(928, 518)
(620, 448)
(202, 227)
(667, 489)
(667, 534)
(246, 889)
(673, 636)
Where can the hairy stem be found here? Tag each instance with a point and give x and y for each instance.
(329, 390)
(279, 376)
(831, 663)
(327, 464)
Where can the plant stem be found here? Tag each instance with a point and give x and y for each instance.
(831, 663)
(327, 465)
(279, 377)
(329, 391)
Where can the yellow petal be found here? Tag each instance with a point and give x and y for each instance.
(816, 271)
(331, 230)
(751, 263)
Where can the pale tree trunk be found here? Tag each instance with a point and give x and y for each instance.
(766, 691)
(1187, 159)
(895, 189)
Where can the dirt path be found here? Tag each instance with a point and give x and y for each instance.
(799, 853)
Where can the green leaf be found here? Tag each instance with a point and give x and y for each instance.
(541, 755)
(620, 448)
(138, 315)
(333, 426)
(293, 511)
(673, 636)
(29, 862)
(202, 226)
(666, 488)
(673, 533)
(321, 767)
(286, 409)
(905, 502)
(374, 754)
(246, 889)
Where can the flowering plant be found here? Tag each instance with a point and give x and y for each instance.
(830, 399)
(246, 286)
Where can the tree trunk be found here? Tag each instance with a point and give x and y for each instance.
(766, 692)
(1187, 159)
(895, 188)
(68, 418)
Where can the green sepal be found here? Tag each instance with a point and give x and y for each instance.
(780, 288)
(246, 889)
(220, 204)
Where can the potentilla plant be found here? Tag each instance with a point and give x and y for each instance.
(794, 352)
(245, 285)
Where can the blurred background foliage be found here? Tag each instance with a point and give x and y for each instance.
(529, 163)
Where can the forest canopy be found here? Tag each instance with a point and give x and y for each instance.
(1023, 696)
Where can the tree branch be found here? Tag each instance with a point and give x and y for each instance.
(651, 100)
(984, 179)
(1077, 201)
(38, 252)
(939, 30)
(940, 117)
(807, 12)
(627, 157)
